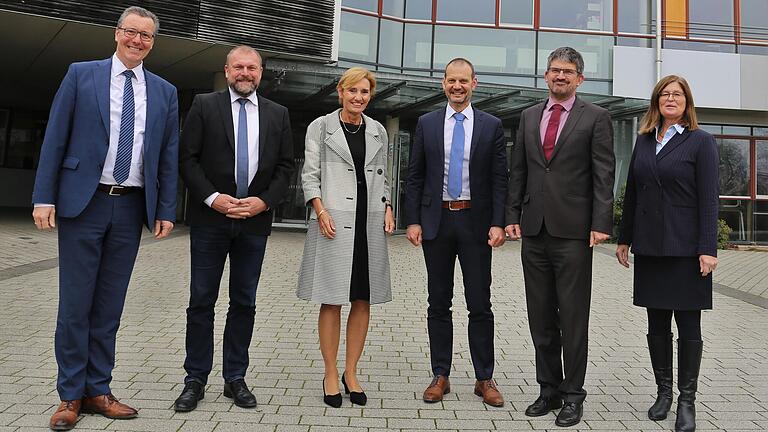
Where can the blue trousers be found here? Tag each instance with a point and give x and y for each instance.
(209, 247)
(97, 251)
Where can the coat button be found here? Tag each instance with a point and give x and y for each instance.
(547, 170)
(380, 171)
(383, 199)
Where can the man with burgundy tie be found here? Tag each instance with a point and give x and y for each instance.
(236, 159)
(454, 207)
(108, 164)
(561, 203)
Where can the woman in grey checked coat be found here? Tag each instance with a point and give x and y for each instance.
(345, 257)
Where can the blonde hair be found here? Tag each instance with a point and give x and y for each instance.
(652, 117)
(354, 75)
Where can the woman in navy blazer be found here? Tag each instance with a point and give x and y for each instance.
(670, 220)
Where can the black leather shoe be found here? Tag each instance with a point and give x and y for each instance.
(543, 406)
(357, 398)
(238, 391)
(333, 400)
(570, 414)
(192, 393)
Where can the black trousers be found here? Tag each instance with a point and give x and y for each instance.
(558, 290)
(455, 238)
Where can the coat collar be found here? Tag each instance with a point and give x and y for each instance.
(672, 144)
(336, 140)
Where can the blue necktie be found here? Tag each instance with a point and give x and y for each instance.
(125, 139)
(455, 167)
(242, 151)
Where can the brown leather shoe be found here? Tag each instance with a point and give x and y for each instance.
(440, 386)
(108, 406)
(65, 417)
(491, 395)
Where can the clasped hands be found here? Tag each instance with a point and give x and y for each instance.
(238, 208)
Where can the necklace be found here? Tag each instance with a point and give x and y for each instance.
(345, 126)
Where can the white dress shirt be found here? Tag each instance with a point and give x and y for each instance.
(448, 125)
(672, 131)
(116, 85)
(252, 114)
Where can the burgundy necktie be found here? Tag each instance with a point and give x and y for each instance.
(551, 135)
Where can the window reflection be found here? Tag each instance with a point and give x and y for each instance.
(734, 167)
(490, 50)
(761, 221)
(596, 15)
(735, 213)
(761, 167)
(393, 7)
(369, 5)
(710, 19)
(391, 43)
(519, 12)
(418, 9)
(597, 52)
(418, 46)
(476, 11)
(754, 15)
(358, 37)
(636, 16)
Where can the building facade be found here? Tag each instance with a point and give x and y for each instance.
(720, 46)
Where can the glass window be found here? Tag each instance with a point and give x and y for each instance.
(26, 139)
(710, 19)
(713, 129)
(754, 15)
(735, 212)
(417, 52)
(636, 42)
(519, 12)
(368, 5)
(357, 40)
(393, 7)
(761, 221)
(761, 164)
(760, 131)
(490, 50)
(419, 9)
(597, 52)
(699, 46)
(754, 49)
(637, 16)
(734, 167)
(735, 130)
(391, 43)
(476, 11)
(596, 15)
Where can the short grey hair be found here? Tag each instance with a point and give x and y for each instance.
(140, 11)
(569, 55)
(245, 48)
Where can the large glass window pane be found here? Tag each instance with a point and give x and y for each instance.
(735, 213)
(357, 40)
(490, 50)
(391, 43)
(519, 12)
(637, 16)
(754, 16)
(393, 7)
(734, 166)
(761, 222)
(761, 166)
(417, 51)
(710, 19)
(597, 52)
(369, 5)
(475, 11)
(418, 9)
(594, 15)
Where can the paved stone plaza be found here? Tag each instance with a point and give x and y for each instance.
(286, 367)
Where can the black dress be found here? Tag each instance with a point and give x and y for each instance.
(360, 287)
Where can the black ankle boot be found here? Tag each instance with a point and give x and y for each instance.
(688, 364)
(660, 348)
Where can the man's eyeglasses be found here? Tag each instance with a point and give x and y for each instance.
(566, 72)
(132, 32)
(671, 95)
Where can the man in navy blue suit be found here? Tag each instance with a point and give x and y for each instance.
(108, 164)
(455, 197)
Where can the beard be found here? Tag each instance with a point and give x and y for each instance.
(244, 87)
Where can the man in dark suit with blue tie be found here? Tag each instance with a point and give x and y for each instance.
(561, 203)
(236, 159)
(455, 196)
(108, 165)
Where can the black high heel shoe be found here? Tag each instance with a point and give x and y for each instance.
(333, 400)
(357, 398)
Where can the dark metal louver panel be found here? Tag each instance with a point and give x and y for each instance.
(299, 27)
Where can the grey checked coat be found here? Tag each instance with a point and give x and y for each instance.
(329, 173)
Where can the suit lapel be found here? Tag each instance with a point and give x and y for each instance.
(440, 134)
(672, 144)
(647, 152)
(225, 111)
(573, 118)
(477, 127)
(263, 122)
(101, 81)
(336, 140)
(536, 126)
(372, 140)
